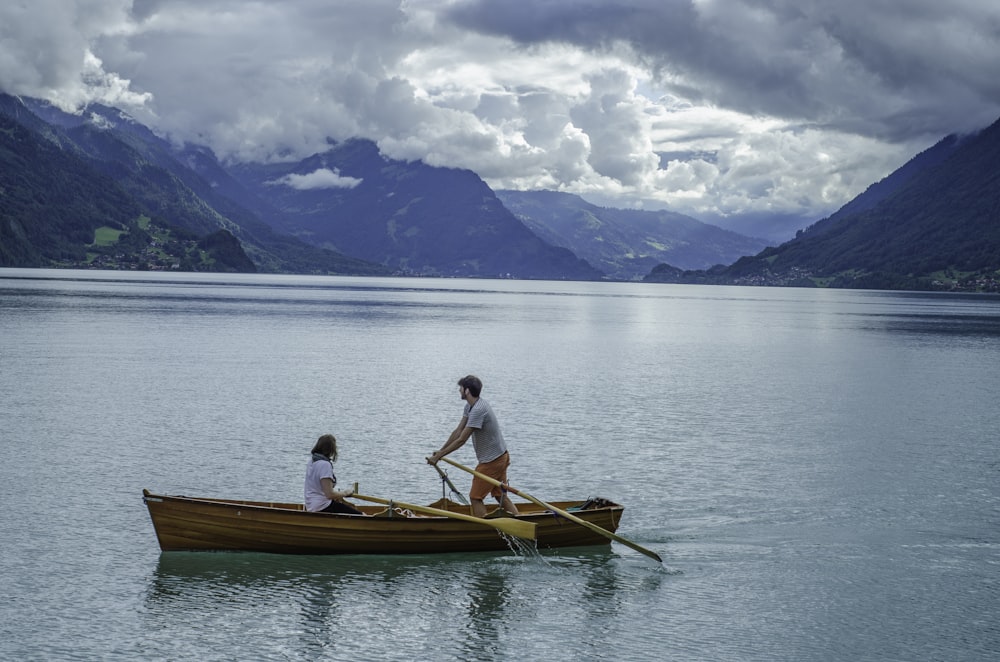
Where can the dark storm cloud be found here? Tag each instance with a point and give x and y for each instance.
(884, 68)
(708, 107)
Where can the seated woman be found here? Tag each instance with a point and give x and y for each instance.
(321, 497)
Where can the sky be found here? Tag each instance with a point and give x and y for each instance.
(713, 108)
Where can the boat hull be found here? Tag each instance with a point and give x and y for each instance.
(190, 524)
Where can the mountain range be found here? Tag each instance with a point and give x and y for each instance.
(408, 216)
(932, 224)
(127, 198)
(97, 189)
(626, 243)
(101, 190)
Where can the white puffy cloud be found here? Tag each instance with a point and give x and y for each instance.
(714, 107)
(318, 179)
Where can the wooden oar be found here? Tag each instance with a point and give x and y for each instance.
(507, 525)
(573, 518)
(451, 485)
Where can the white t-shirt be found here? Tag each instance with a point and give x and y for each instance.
(317, 470)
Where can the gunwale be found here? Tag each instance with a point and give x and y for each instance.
(185, 523)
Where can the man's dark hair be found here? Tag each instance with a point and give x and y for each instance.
(473, 383)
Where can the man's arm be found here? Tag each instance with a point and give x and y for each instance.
(456, 440)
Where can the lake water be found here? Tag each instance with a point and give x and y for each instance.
(819, 469)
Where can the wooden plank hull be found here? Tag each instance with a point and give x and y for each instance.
(188, 524)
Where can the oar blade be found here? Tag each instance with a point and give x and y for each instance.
(513, 527)
(573, 518)
(516, 528)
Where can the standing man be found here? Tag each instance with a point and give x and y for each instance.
(480, 423)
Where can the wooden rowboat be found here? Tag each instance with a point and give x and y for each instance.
(187, 524)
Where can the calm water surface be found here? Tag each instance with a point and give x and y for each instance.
(819, 469)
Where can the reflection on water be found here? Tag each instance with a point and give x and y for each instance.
(482, 601)
(216, 575)
(986, 326)
(487, 598)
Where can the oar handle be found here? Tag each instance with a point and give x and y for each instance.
(573, 518)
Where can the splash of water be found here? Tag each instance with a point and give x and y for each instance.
(521, 546)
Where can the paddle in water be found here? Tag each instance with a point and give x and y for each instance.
(573, 518)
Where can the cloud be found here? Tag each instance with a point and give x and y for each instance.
(703, 106)
(318, 179)
(871, 66)
(47, 51)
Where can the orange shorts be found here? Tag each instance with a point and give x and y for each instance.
(496, 469)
